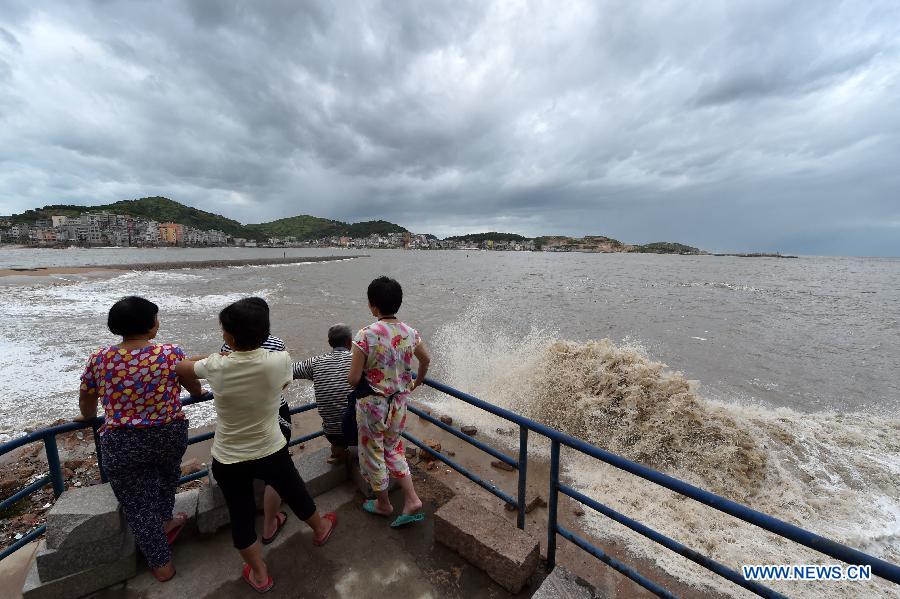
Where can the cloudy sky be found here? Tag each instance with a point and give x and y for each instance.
(769, 125)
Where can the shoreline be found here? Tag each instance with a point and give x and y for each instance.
(39, 271)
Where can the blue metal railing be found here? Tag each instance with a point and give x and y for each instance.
(881, 568)
(54, 476)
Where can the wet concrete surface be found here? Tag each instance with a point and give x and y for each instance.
(365, 558)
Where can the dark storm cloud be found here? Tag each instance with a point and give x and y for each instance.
(742, 125)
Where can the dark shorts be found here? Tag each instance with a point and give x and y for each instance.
(336, 439)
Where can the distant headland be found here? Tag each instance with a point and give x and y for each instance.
(161, 222)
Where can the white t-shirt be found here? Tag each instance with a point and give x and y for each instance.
(247, 387)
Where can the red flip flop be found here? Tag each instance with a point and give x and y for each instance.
(331, 517)
(281, 521)
(173, 534)
(259, 588)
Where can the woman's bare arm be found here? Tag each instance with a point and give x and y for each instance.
(424, 359)
(356, 367)
(87, 404)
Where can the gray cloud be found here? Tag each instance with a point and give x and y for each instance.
(756, 125)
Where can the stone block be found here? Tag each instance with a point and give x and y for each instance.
(562, 584)
(187, 502)
(355, 475)
(317, 473)
(212, 514)
(81, 583)
(83, 515)
(489, 541)
(53, 564)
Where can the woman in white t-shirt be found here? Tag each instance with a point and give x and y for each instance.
(248, 442)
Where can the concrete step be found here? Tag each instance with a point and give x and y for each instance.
(84, 582)
(489, 541)
(319, 476)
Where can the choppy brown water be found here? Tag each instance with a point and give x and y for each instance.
(788, 399)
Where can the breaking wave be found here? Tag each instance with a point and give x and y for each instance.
(835, 474)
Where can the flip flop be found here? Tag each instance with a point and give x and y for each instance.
(369, 506)
(259, 588)
(331, 517)
(173, 534)
(281, 522)
(404, 519)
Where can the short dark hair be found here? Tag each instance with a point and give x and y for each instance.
(246, 320)
(132, 315)
(339, 335)
(385, 294)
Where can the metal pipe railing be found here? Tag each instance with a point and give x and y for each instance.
(881, 568)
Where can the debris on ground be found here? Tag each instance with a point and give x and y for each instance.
(502, 466)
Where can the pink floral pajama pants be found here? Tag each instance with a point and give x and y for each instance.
(380, 446)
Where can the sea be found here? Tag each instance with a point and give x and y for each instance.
(770, 381)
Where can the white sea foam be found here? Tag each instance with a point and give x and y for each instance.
(833, 474)
(47, 331)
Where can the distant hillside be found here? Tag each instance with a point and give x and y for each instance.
(155, 208)
(306, 228)
(161, 209)
(665, 247)
(481, 237)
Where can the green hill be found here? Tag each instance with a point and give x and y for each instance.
(156, 208)
(163, 210)
(305, 227)
(665, 247)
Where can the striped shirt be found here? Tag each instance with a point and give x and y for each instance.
(329, 376)
(272, 343)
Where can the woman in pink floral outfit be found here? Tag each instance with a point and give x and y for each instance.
(382, 358)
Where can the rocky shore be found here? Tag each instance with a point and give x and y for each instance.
(144, 266)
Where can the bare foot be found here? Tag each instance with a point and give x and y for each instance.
(164, 573)
(385, 509)
(412, 507)
(179, 519)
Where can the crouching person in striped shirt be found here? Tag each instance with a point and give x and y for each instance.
(328, 373)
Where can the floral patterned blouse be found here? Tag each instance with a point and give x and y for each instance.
(138, 388)
(389, 348)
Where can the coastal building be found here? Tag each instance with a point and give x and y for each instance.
(171, 233)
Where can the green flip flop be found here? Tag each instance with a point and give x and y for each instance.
(404, 519)
(369, 506)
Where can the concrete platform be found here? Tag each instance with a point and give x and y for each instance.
(364, 559)
(562, 584)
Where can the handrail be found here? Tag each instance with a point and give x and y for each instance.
(55, 478)
(879, 567)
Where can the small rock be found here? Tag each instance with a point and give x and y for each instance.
(78, 483)
(502, 466)
(469, 430)
(446, 420)
(578, 512)
(75, 464)
(534, 504)
(451, 453)
(430, 465)
(411, 452)
(434, 445)
(190, 466)
(68, 473)
(9, 485)
(80, 435)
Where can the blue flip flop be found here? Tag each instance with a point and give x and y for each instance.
(404, 519)
(369, 506)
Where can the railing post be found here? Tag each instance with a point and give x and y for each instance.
(96, 428)
(551, 505)
(56, 477)
(523, 474)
